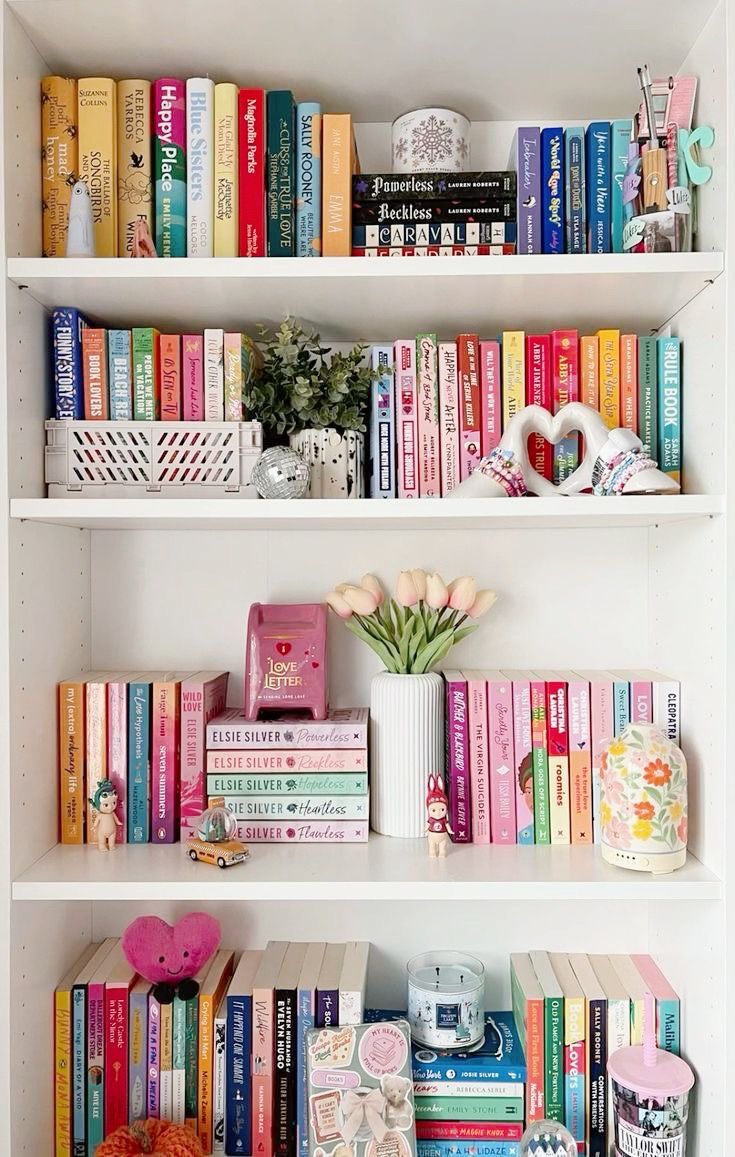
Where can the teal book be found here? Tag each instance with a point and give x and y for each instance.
(470, 1108)
(619, 141)
(669, 406)
(191, 1079)
(280, 166)
(120, 374)
(647, 395)
(139, 761)
(178, 1060)
(308, 179)
(621, 705)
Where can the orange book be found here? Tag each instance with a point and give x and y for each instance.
(629, 381)
(610, 376)
(339, 162)
(94, 370)
(72, 806)
(589, 382)
(210, 997)
(169, 368)
(59, 159)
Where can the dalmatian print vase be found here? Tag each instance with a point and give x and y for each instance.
(336, 459)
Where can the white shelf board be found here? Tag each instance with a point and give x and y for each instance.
(378, 298)
(382, 869)
(234, 513)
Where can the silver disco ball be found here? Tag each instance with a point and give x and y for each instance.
(280, 473)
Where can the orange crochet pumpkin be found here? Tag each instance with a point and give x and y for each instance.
(153, 1137)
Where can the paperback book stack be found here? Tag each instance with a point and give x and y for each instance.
(230, 1063)
(433, 214)
(524, 748)
(290, 779)
(572, 1013)
(438, 407)
(145, 733)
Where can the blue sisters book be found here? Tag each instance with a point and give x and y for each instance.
(308, 179)
(238, 1051)
(499, 1058)
(120, 374)
(139, 764)
(66, 328)
(620, 132)
(575, 190)
(552, 190)
(598, 187)
(382, 426)
(669, 406)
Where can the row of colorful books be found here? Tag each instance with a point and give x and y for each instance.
(145, 733)
(438, 407)
(290, 779)
(230, 1062)
(572, 1013)
(213, 170)
(141, 375)
(524, 748)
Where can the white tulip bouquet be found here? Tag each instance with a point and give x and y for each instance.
(414, 630)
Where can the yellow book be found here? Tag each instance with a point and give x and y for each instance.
(589, 385)
(97, 101)
(610, 376)
(134, 161)
(225, 170)
(514, 374)
(62, 1055)
(59, 159)
(339, 162)
(210, 996)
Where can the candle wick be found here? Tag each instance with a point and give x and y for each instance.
(461, 978)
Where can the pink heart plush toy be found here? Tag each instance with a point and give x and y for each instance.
(169, 956)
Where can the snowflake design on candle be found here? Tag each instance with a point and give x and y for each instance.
(463, 148)
(400, 149)
(432, 140)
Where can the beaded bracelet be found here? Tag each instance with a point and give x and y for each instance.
(612, 477)
(503, 467)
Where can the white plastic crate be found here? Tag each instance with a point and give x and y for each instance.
(171, 459)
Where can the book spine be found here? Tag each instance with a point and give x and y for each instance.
(280, 173)
(449, 416)
(308, 179)
(442, 236)
(618, 1036)
(648, 395)
(468, 357)
(62, 1073)
(251, 137)
(558, 735)
(602, 718)
(96, 761)
(428, 416)
(610, 377)
(191, 1078)
(304, 832)
(214, 375)
(287, 807)
(554, 1037)
(60, 160)
(466, 1149)
(528, 166)
(139, 767)
(514, 374)
(575, 1067)
(321, 784)
(382, 425)
(425, 213)
(589, 371)
(523, 761)
(455, 250)
(458, 785)
(576, 191)
(67, 326)
(641, 702)
(200, 167)
(597, 1080)
(621, 706)
(219, 1077)
(238, 1116)
(502, 761)
(134, 162)
(72, 746)
(284, 1138)
(404, 353)
(154, 1058)
(552, 190)
(580, 762)
(166, 1075)
(491, 422)
(479, 760)
(565, 385)
(120, 374)
(432, 186)
(79, 1070)
(338, 155)
(97, 136)
(95, 1065)
(539, 393)
(138, 1061)
(539, 752)
(292, 764)
(199, 703)
(117, 749)
(225, 171)
(262, 1072)
(467, 1089)
(169, 362)
(620, 134)
(306, 1002)
(349, 732)
(192, 376)
(667, 1007)
(169, 166)
(598, 187)
(232, 376)
(94, 355)
(205, 1071)
(116, 1057)
(146, 395)
(629, 381)
(669, 406)
(178, 1062)
(468, 1131)
(667, 707)
(165, 724)
(470, 1108)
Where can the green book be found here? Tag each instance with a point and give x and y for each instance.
(540, 762)
(553, 1036)
(469, 1108)
(191, 1056)
(280, 165)
(647, 395)
(178, 1059)
(146, 398)
(320, 783)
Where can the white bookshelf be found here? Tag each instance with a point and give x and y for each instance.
(145, 583)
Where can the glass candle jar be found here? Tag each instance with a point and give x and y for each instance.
(446, 1000)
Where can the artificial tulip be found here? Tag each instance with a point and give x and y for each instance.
(368, 582)
(406, 592)
(362, 602)
(463, 594)
(437, 595)
(339, 605)
(419, 578)
(482, 604)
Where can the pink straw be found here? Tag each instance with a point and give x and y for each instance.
(650, 1051)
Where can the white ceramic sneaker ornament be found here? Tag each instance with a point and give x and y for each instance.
(615, 461)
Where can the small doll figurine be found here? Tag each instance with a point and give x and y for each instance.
(437, 823)
(142, 241)
(105, 822)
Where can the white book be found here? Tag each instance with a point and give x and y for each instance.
(666, 695)
(635, 986)
(353, 981)
(200, 167)
(214, 375)
(219, 1078)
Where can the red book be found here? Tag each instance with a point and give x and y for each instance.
(94, 371)
(538, 393)
(251, 138)
(565, 389)
(120, 977)
(558, 741)
(468, 364)
(169, 368)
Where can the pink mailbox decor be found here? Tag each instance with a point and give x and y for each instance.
(286, 659)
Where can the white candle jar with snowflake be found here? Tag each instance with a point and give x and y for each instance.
(431, 140)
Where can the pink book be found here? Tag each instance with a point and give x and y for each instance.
(457, 765)
(169, 367)
(602, 725)
(165, 739)
(192, 376)
(468, 369)
(304, 832)
(429, 464)
(539, 393)
(478, 756)
(96, 743)
(523, 757)
(202, 698)
(290, 762)
(153, 1101)
(406, 418)
(120, 979)
(502, 759)
(448, 416)
(580, 760)
(117, 747)
(491, 413)
(641, 698)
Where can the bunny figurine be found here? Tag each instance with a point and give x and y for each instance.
(437, 822)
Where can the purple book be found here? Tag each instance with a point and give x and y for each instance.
(458, 773)
(327, 988)
(528, 164)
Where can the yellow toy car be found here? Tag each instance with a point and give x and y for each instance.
(214, 842)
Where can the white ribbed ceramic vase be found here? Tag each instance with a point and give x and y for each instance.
(406, 746)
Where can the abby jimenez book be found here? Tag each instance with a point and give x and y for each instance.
(343, 728)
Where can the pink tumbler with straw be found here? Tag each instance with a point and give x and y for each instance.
(650, 1096)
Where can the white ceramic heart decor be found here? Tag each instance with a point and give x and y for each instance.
(615, 461)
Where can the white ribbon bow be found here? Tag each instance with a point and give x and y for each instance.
(359, 1107)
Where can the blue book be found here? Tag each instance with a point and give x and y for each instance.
(669, 406)
(552, 190)
(382, 426)
(620, 132)
(305, 1021)
(528, 168)
(499, 1058)
(139, 761)
(66, 327)
(598, 187)
(474, 1148)
(308, 179)
(238, 1051)
(576, 191)
(621, 705)
(79, 1069)
(138, 1052)
(120, 374)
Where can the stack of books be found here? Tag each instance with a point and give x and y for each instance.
(572, 1013)
(291, 779)
(146, 734)
(231, 1063)
(524, 748)
(433, 214)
